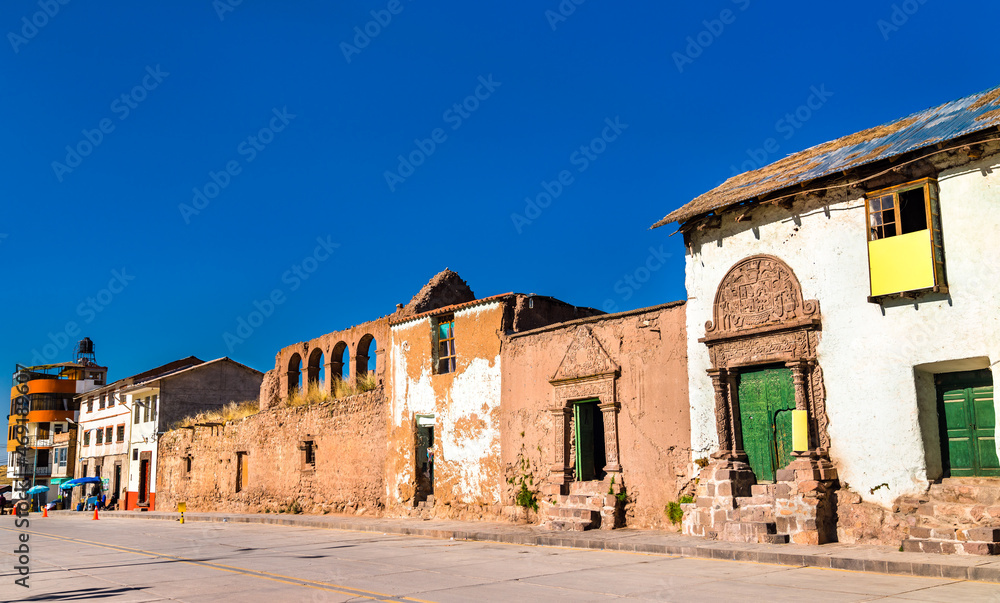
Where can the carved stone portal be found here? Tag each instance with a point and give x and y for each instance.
(760, 317)
(585, 372)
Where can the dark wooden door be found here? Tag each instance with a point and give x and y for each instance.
(965, 407)
(766, 399)
(143, 481)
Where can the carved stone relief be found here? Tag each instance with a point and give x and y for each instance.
(760, 317)
(758, 291)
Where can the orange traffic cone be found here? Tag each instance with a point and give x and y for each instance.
(45, 511)
(95, 512)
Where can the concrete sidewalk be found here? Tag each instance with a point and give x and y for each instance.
(877, 559)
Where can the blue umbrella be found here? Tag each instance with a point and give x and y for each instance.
(79, 482)
(37, 490)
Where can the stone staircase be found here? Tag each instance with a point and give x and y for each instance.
(753, 518)
(960, 515)
(424, 508)
(581, 509)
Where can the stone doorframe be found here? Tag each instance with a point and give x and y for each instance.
(760, 317)
(568, 391)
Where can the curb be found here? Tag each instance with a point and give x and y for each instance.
(860, 558)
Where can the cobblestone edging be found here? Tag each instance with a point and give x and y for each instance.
(876, 559)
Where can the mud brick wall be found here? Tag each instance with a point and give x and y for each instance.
(654, 425)
(349, 439)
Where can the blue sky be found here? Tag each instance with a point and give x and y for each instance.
(222, 153)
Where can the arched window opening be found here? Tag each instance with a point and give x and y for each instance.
(316, 372)
(366, 357)
(294, 373)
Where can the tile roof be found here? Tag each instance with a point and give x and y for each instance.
(923, 129)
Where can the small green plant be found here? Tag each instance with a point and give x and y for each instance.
(674, 512)
(621, 496)
(686, 499)
(523, 478)
(702, 462)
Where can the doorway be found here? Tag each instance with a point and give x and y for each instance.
(591, 456)
(967, 421)
(117, 480)
(242, 470)
(425, 457)
(143, 482)
(766, 401)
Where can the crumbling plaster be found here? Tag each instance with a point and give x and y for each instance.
(465, 405)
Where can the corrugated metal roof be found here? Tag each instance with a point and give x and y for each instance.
(926, 128)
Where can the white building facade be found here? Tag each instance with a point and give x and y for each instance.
(843, 325)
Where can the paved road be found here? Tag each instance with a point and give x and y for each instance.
(124, 560)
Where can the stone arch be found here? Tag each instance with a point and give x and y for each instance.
(294, 372)
(338, 362)
(365, 351)
(315, 367)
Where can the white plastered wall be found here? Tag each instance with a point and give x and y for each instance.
(873, 359)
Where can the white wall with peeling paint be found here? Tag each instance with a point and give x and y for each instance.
(465, 405)
(876, 361)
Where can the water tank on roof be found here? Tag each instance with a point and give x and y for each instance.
(85, 351)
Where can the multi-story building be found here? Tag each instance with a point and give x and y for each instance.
(40, 441)
(105, 428)
(159, 401)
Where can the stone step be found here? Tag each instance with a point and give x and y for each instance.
(566, 525)
(758, 513)
(748, 531)
(950, 547)
(755, 501)
(975, 514)
(588, 488)
(768, 490)
(589, 515)
(960, 534)
(972, 491)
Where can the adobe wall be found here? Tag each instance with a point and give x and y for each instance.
(276, 384)
(350, 448)
(205, 387)
(653, 420)
(465, 405)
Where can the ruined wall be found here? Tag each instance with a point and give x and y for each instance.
(653, 420)
(352, 341)
(465, 405)
(350, 450)
(210, 385)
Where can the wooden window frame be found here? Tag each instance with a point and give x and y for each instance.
(932, 215)
(447, 362)
(99, 436)
(86, 438)
(109, 432)
(120, 433)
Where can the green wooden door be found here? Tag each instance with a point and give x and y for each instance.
(766, 399)
(965, 402)
(584, 415)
